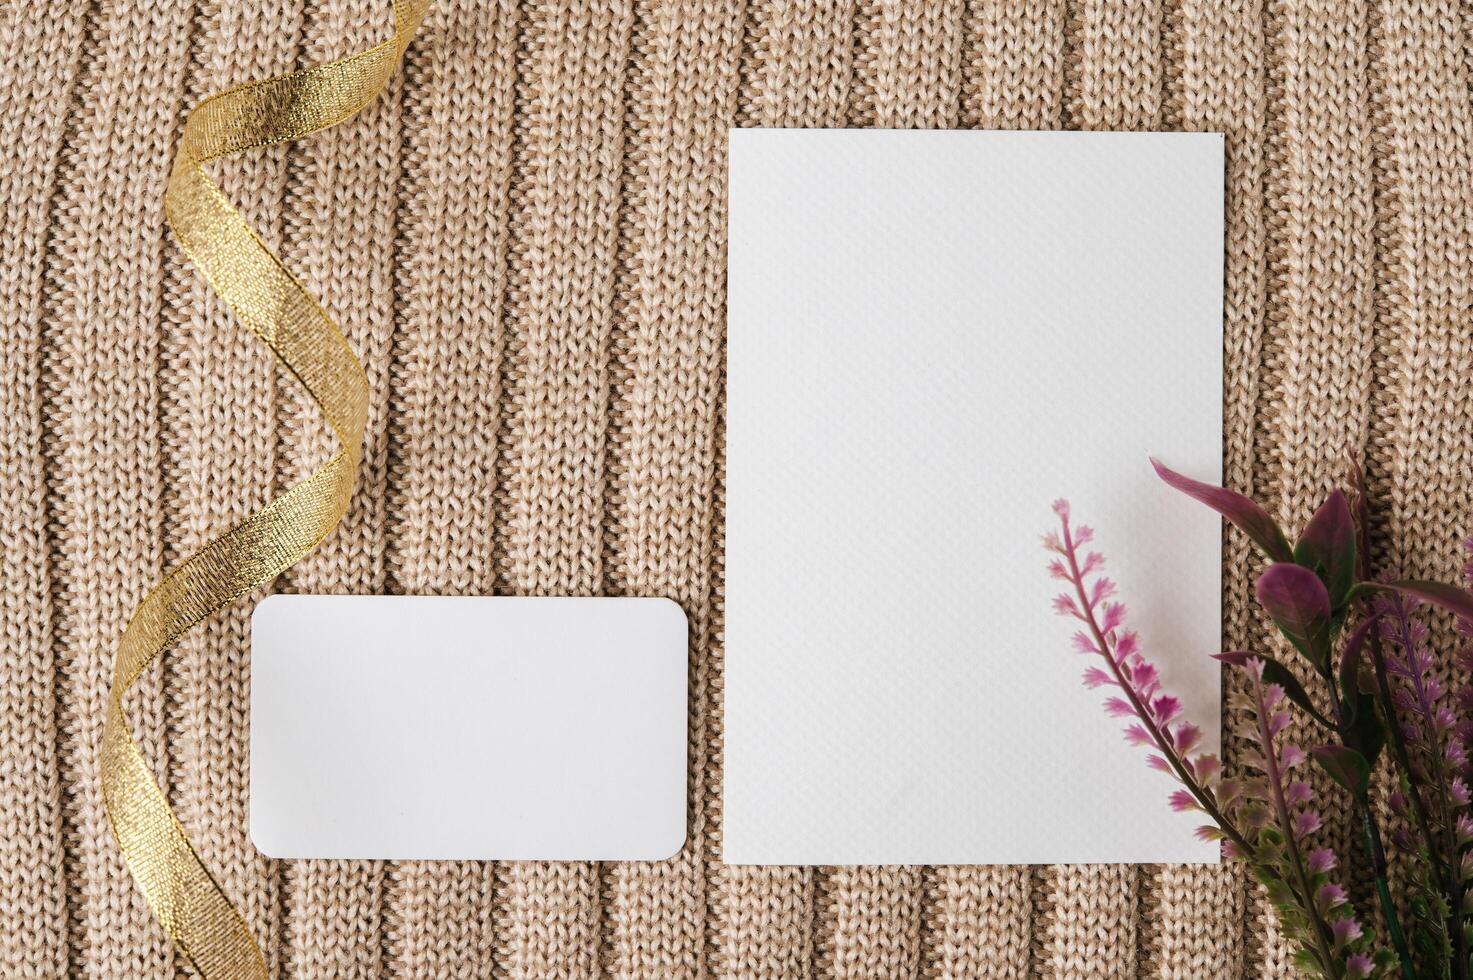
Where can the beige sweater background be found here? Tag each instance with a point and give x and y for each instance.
(524, 241)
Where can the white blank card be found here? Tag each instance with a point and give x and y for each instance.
(407, 727)
(932, 335)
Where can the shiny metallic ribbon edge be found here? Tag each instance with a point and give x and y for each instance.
(186, 898)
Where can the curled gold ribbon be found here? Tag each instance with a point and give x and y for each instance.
(268, 299)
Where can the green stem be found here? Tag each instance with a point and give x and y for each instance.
(1371, 838)
(1371, 835)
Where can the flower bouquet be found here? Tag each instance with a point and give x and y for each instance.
(1362, 694)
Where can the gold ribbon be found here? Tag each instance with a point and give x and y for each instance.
(268, 299)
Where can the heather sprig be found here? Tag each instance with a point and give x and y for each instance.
(1155, 719)
(1428, 728)
(1419, 727)
(1267, 819)
(1278, 809)
(1367, 683)
(1422, 716)
(1310, 590)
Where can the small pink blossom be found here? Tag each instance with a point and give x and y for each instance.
(1166, 709)
(1329, 896)
(1064, 605)
(1306, 822)
(1298, 793)
(1186, 737)
(1345, 930)
(1320, 860)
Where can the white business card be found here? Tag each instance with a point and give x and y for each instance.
(413, 727)
(933, 335)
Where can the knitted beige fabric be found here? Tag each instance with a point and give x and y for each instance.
(524, 241)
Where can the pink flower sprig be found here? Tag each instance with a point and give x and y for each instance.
(1155, 716)
(1429, 727)
(1267, 820)
(1278, 809)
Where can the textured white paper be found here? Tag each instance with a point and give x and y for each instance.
(932, 335)
(407, 727)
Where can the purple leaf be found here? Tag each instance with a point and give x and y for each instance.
(1239, 510)
(1346, 766)
(1327, 547)
(1300, 605)
(1457, 601)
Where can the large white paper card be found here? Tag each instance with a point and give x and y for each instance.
(415, 727)
(933, 335)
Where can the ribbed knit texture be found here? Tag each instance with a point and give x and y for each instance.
(524, 241)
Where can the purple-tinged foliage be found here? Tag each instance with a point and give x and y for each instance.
(1240, 511)
(1456, 600)
(1369, 682)
(1327, 547)
(1346, 766)
(1300, 606)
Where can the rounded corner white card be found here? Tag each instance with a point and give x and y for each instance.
(468, 728)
